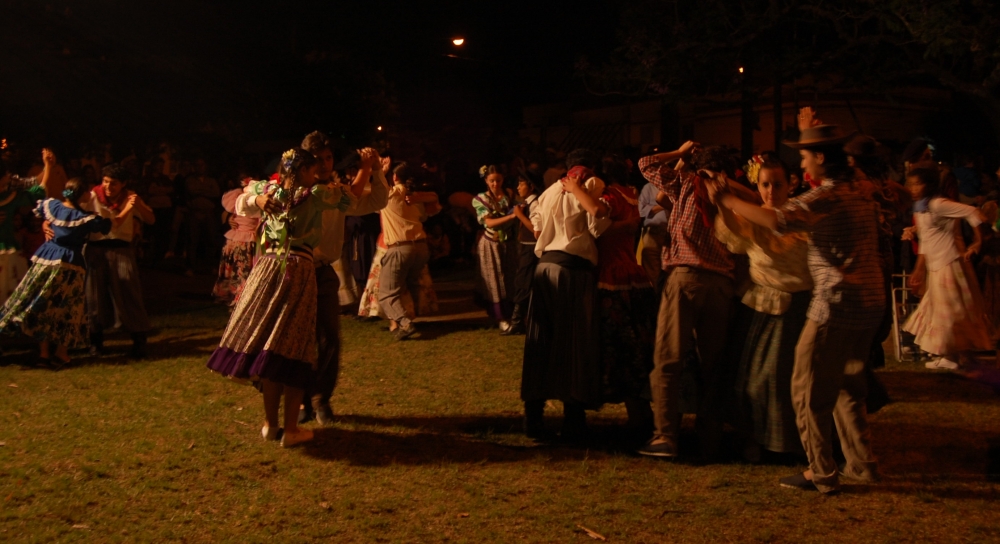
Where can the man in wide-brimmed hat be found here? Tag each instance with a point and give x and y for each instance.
(828, 382)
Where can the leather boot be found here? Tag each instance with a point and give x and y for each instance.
(516, 322)
(534, 419)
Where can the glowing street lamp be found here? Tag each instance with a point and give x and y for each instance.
(741, 69)
(458, 42)
(379, 128)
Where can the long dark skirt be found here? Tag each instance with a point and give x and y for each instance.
(562, 357)
(628, 334)
(764, 382)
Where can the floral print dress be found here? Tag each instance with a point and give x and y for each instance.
(49, 304)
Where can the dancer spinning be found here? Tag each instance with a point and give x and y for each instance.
(271, 336)
(779, 297)
(950, 321)
(828, 380)
(48, 305)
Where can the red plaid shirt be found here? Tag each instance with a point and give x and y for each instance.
(692, 243)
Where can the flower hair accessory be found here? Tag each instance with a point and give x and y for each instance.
(68, 193)
(482, 171)
(288, 160)
(753, 168)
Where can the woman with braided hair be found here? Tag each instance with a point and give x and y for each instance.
(49, 304)
(271, 336)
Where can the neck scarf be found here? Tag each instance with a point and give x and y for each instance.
(102, 197)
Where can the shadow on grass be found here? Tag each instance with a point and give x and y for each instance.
(921, 386)
(932, 451)
(928, 492)
(371, 448)
(433, 330)
(485, 433)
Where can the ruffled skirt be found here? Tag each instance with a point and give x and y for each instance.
(272, 332)
(49, 306)
(234, 269)
(950, 318)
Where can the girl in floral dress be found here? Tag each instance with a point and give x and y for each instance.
(271, 336)
(497, 248)
(950, 321)
(237, 254)
(49, 304)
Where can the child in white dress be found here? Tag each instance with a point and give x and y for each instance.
(950, 321)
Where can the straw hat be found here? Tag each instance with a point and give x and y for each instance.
(820, 135)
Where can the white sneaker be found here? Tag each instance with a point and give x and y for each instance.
(942, 364)
(270, 433)
(504, 326)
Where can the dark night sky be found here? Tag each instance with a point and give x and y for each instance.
(112, 69)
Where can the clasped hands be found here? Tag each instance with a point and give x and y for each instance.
(717, 185)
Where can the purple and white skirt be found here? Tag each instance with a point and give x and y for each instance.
(272, 331)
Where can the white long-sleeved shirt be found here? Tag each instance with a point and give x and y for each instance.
(332, 243)
(564, 225)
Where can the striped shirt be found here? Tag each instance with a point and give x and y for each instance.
(692, 242)
(843, 255)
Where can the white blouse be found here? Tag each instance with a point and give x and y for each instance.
(778, 263)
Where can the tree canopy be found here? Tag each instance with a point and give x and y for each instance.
(682, 49)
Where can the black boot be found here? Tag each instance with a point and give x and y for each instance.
(534, 419)
(516, 322)
(138, 346)
(96, 343)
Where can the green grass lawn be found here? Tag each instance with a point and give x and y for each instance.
(427, 449)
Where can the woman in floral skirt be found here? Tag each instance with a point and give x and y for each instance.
(48, 305)
(271, 336)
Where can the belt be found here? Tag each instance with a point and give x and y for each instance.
(300, 252)
(408, 242)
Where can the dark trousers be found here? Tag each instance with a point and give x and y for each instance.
(113, 286)
(327, 337)
(526, 263)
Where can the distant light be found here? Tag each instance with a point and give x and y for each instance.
(741, 69)
(3, 143)
(458, 41)
(379, 128)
